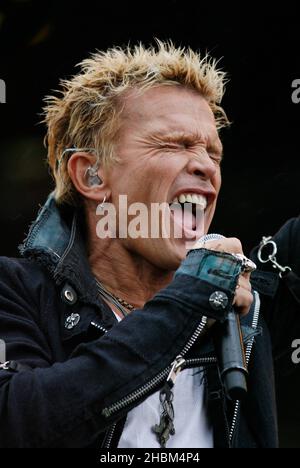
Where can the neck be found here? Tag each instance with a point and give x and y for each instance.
(123, 273)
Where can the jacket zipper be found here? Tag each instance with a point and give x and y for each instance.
(137, 394)
(160, 377)
(247, 356)
(99, 327)
(185, 364)
(109, 436)
(200, 361)
(111, 430)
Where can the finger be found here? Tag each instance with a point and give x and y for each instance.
(244, 283)
(229, 245)
(247, 275)
(243, 301)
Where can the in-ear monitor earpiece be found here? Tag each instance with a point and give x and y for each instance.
(92, 176)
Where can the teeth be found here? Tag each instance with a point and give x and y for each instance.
(195, 198)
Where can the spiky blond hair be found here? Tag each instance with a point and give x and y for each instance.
(87, 114)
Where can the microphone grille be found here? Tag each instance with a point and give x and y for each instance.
(210, 237)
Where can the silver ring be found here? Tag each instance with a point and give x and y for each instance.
(247, 265)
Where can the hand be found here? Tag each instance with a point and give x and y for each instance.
(243, 296)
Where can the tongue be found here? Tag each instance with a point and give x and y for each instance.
(184, 219)
(189, 220)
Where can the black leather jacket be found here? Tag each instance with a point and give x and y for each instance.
(79, 372)
(280, 296)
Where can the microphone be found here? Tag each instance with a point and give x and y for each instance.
(229, 347)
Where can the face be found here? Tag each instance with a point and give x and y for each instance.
(169, 148)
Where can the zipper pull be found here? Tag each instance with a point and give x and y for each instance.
(166, 428)
(176, 368)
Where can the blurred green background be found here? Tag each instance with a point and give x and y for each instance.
(42, 41)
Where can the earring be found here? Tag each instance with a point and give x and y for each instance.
(101, 206)
(92, 176)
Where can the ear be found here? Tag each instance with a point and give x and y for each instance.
(78, 166)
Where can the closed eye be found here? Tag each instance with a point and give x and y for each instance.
(217, 158)
(172, 146)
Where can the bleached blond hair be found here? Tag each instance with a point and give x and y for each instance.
(87, 112)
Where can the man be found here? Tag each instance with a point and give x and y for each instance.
(109, 337)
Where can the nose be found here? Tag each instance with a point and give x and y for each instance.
(202, 166)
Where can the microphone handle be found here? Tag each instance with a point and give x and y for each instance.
(228, 341)
(230, 351)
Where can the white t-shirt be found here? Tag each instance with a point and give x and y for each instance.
(192, 427)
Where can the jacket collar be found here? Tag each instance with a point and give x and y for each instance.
(56, 240)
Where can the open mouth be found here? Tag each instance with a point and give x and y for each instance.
(187, 211)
